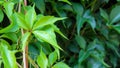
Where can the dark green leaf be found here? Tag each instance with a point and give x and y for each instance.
(78, 8)
(104, 15)
(40, 4)
(81, 42)
(66, 1)
(115, 15)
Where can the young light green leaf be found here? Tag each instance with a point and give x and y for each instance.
(8, 56)
(60, 65)
(12, 27)
(46, 20)
(11, 36)
(30, 17)
(40, 4)
(104, 14)
(52, 58)
(20, 19)
(66, 1)
(42, 60)
(81, 41)
(115, 15)
(25, 39)
(1, 15)
(47, 37)
(8, 8)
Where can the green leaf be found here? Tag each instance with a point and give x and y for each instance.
(42, 60)
(8, 56)
(98, 57)
(66, 1)
(20, 19)
(104, 14)
(81, 42)
(83, 56)
(115, 15)
(12, 27)
(60, 65)
(11, 36)
(80, 22)
(8, 8)
(52, 58)
(56, 29)
(90, 19)
(30, 17)
(1, 15)
(25, 39)
(45, 20)
(40, 4)
(78, 8)
(47, 36)
(116, 27)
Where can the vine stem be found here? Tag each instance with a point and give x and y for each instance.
(25, 51)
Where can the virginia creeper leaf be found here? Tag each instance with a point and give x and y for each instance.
(42, 60)
(1, 15)
(60, 65)
(8, 56)
(46, 20)
(30, 17)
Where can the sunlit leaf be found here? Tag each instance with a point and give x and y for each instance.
(46, 20)
(25, 39)
(60, 65)
(12, 27)
(20, 19)
(52, 58)
(47, 36)
(9, 6)
(42, 60)
(8, 56)
(30, 17)
(1, 15)
(11, 36)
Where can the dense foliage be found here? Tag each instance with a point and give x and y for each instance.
(59, 33)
